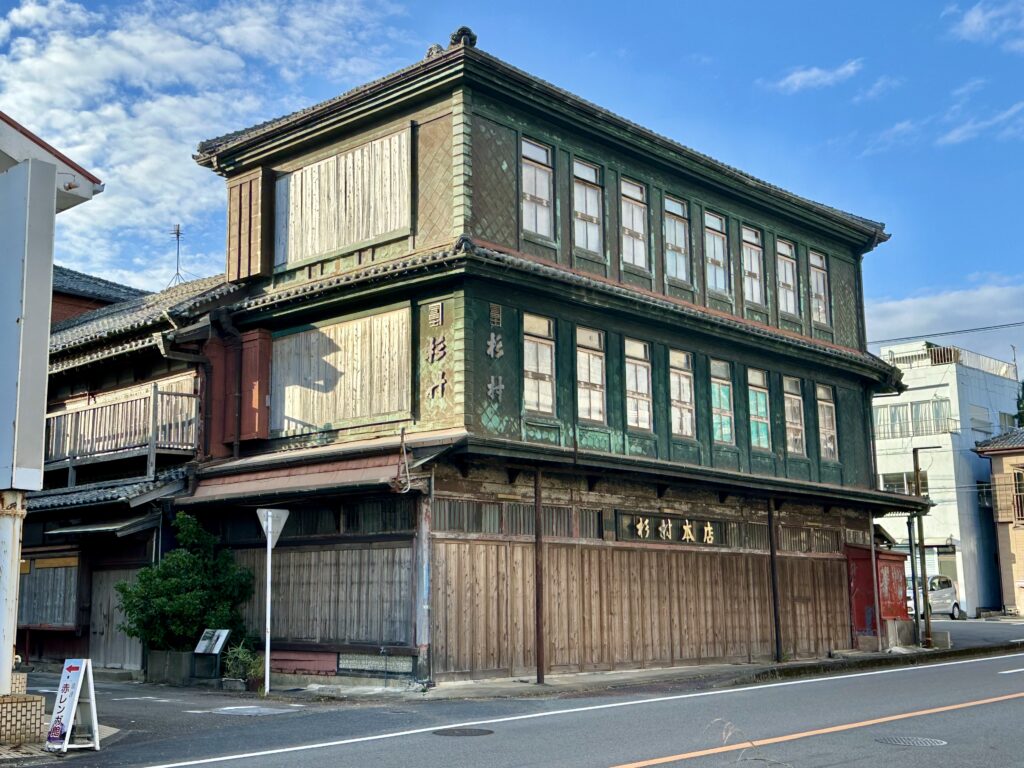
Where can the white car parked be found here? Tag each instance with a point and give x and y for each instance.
(942, 597)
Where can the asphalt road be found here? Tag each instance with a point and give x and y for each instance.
(976, 633)
(970, 704)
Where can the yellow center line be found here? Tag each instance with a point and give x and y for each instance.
(817, 732)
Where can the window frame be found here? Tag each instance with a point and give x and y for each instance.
(678, 254)
(634, 395)
(754, 245)
(722, 234)
(720, 414)
(526, 197)
(821, 301)
(783, 289)
(642, 205)
(824, 396)
(544, 342)
(582, 217)
(759, 385)
(592, 352)
(680, 365)
(797, 398)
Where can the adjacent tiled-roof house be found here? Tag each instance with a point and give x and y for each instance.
(75, 293)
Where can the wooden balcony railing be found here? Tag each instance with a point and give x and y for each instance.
(153, 422)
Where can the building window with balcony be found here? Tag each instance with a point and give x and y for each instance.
(538, 364)
(827, 438)
(634, 224)
(819, 288)
(788, 283)
(757, 394)
(586, 206)
(793, 400)
(638, 384)
(721, 403)
(753, 266)
(716, 253)
(677, 240)
(537, 189)
(590, 374)
(681, 393)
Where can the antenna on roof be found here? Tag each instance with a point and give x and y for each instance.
(178, 278)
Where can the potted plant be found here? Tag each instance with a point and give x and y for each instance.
(195, 586)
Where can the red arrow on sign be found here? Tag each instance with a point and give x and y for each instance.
(72, 668)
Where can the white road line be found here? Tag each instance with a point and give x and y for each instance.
(574, 710)
(1011, 671)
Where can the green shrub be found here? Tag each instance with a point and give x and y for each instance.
(193, 587)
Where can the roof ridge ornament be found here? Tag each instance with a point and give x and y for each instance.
(434, 51)
(463, 36)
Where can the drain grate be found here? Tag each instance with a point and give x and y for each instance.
(463, 732)
(911, 741)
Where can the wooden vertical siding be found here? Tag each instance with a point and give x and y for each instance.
(609, 607)
(356, 370)
(350, 198)
(353, 594)
(249, 225)
(48, 595)
(255, 382)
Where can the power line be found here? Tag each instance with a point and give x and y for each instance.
(980, 329)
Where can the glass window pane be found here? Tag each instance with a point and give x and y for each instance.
(536, 152)
(585, 171)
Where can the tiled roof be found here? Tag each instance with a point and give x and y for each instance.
(211, 147)
(1007, 441)
(114, 492)
(91, 287)
(137, 313)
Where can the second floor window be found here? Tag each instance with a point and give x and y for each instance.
(537, 189)
(819, 288)
(638, 384)
(677, 240)
(827, 423)
(721, 402)
(586, 206)
(538, 364)
(681, 392)
(753, 266)
(760, 429)
(716, 253)
(590, 374)
(785, 267)
(634, 224)
(794, 406)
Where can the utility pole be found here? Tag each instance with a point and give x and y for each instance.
(913, 580)
(921, 550)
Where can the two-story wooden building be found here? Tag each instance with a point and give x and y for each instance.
(469, 292)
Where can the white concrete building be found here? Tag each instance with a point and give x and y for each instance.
(954, 399)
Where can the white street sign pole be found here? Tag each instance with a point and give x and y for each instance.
(266, 638)
(268, 518)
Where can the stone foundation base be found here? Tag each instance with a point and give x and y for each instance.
(22, 717)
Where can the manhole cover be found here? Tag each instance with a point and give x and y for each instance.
(463, 732)
(911, 741)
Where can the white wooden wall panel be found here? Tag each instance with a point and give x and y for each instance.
(349, 198)
(352, 370)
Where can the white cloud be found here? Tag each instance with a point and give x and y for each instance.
(806, 78)
(880, 87)
(993, 23)
(903, 133)
(996, 301)
(129, 93)
(1009, 121)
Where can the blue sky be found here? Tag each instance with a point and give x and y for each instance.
(909, 113)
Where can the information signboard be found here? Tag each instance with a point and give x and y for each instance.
(66, 706)
(212, 642)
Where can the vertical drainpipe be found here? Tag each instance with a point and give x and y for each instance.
(422, 629)
(773, 550)
(874, 583)
(538, 577)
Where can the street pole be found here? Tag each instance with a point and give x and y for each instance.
(12, 515)
(538, 576)
(874, 583)
(913, 580)
(266, 634)
(920, 547)
(773, 563)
